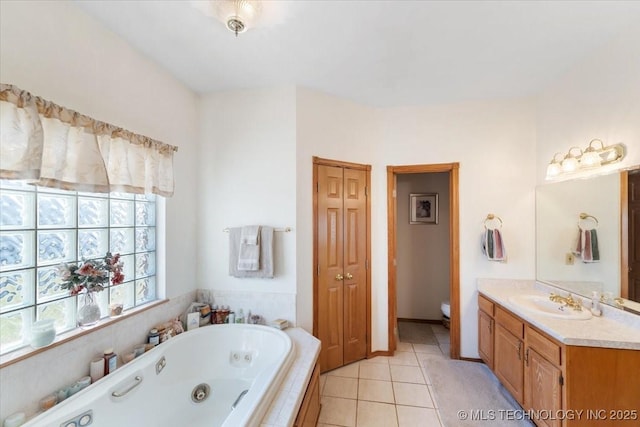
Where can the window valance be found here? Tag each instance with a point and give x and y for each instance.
(52, 146)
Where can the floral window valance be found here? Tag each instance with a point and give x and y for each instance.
(52, 146)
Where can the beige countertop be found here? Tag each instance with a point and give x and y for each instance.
(286, 404)
(614, 329)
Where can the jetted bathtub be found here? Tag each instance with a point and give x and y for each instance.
(220, 375)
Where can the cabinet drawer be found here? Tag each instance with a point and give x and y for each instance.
(485, 305)
(510, 322)
(543, 345)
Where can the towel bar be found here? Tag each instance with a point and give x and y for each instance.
(283, 230)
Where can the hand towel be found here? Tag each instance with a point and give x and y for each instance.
(266, 269)
(250, 235)
(493, 245)
(249, 252)
(586, 246)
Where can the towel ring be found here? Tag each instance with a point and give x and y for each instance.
(585, 216)
(491, 217)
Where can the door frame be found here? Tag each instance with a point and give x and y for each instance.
(624, 234)
(454, 247)
(317, 161)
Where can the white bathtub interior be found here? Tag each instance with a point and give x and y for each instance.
(228, 359)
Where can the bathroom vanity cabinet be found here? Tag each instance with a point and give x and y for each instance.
(310, 407)
(566, 385)
(485, 330)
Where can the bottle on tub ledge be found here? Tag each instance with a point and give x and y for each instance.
(240, 317)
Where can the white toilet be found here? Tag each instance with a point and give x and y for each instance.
(446, 313)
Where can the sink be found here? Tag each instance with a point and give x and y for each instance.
(540, 304)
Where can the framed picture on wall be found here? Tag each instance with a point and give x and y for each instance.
(423, 208)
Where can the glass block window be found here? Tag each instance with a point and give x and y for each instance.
(43, 227)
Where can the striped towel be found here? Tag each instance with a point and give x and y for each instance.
(493, 245)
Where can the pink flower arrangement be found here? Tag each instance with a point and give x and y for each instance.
(91, 275)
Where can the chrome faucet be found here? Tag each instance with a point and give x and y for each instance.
(568, 301)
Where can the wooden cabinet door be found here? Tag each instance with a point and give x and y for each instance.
(330, 259)
(542, 387)
(342, 271)
(355, 274)
(509, 362)
(485, 338)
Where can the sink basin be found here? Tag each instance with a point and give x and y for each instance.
(540, 304)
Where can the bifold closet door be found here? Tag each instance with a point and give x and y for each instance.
(341, 265)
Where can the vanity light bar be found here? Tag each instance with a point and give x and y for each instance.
(591, 158)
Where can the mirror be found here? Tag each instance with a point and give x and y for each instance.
(560, 260)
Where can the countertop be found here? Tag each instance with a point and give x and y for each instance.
(286, 404)
(614, 329)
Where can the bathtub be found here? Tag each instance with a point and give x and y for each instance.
(221, 375)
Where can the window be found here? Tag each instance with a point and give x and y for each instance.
(43, 227)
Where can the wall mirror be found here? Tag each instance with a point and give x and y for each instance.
(562, 258)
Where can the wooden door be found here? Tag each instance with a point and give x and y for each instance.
(542, 388)
(508, 362)
(485, 338)
(342, 275)
(355, 274)
(634, 235)
(330, 309)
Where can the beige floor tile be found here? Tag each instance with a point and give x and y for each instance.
(412, 395)
(350, 371)
(443, 338)
(338, 411)
(407, 374)
(375, 371)
(404, 358)
(445, 348)
(375, 391)
(326, 425)
(439, 329)
(426, 348)
(346, 388)
(433, 399)
(404, 346)
(384, 360)
(374, 414)
(323, 381)
(410, 416)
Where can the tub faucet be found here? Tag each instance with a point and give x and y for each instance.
(568, 301)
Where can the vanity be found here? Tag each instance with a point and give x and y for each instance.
(568, 371)
(563, 365)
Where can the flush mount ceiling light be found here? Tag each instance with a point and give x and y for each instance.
(237, 15)
(592, 157)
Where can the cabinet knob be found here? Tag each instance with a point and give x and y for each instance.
(348, 276)
(339, 277)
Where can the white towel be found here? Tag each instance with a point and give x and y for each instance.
(266, 269)
(249, 252)
(250, 235)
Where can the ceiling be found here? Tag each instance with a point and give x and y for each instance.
(378, 53)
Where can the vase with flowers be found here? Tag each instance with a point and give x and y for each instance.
(87, 278)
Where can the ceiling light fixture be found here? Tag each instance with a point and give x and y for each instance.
(590, 158)
(237, 15)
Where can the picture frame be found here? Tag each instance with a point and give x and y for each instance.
(423, 208)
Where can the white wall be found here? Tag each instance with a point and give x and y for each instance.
(597, 98)
(332, 128)
(422, 250)
(247, 174)
(54, 50)
(493, 141)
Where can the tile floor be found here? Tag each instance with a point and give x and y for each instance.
(384, 391)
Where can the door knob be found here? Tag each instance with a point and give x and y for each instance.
(348, 276)
(339, 277)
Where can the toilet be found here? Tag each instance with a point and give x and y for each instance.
(446, 313)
